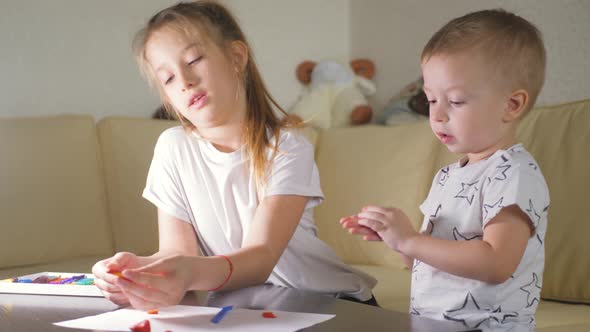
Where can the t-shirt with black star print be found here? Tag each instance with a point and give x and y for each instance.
(462, 200)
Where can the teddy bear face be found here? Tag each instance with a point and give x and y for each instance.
(335, 93)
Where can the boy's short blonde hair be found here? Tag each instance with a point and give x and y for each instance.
(513, 45)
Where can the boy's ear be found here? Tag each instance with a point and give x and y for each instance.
(516, 105)
(239, 53)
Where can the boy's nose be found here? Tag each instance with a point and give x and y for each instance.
(438, 113)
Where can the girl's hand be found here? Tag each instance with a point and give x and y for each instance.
(392, 225)
(351, 224)
(106, 282)
(159, 284)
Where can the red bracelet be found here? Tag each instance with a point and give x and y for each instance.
(231, 271)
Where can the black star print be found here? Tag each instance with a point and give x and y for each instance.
(431, 219)
(533, 166)
(433, 216)
(444, 176)
(458, 235)
(502, 176)
(464, 314)
(539, 238)
(506, 316)
(413, 310)
(490, 208)
(467, 191)
(535, 217)
(533, 291)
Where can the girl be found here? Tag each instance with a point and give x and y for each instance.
(235, 192)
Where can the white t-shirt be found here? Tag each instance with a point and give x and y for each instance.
(462, 200)
(216, 192)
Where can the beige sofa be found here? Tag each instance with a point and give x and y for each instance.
(70, 194)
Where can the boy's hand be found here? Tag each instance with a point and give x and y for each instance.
(351, 224)
(392, 225)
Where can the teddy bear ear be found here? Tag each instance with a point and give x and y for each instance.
(303, 71)
(363, 67)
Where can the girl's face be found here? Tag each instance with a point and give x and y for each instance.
(198, 79)
(467, 105)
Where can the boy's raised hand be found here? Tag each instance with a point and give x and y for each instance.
(391, 225)
(351, 224)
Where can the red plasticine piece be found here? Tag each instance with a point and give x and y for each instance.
(268, 314)
(143, 326)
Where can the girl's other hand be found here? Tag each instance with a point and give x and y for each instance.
(159, 284)
(105, 280)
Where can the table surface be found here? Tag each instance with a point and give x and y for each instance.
(24, 313)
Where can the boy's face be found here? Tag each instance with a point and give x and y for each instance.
(196, 78)
(467, 104)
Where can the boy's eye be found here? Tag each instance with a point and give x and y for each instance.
(195, 60)
(430, 102)
(456, 103)
(168, 80)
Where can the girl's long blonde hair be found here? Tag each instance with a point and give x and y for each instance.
(215, 22)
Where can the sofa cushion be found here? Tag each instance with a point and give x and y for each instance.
(72, 265)
(128, 146)
(551, 313)
(388, 166)
(52, 197)
(393, 286)
(559, 139)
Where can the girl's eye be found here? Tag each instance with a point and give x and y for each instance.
(456, 103)
(168, 80)
(431, 102)
(195, 60)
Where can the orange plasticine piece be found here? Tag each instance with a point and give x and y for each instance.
(118, 274)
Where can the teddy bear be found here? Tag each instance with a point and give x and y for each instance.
(409, 104)
(335, 94)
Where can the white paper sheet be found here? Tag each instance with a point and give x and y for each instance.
(192, 318)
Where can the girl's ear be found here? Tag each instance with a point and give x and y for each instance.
(239, 55)
(516, 105)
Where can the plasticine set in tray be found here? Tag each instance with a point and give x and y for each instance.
(52, 283)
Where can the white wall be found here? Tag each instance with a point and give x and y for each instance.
(74, 56)
(65, 56)
(285, 32)
(393, 33)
